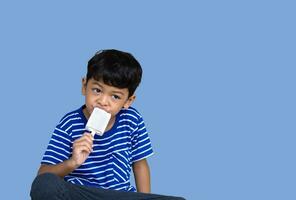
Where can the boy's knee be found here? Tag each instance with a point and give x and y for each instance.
(46, 186)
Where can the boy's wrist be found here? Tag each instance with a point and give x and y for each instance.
(72, 164)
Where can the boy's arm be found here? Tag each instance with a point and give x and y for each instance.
(82, 147)
(61, 169)
(142, 176)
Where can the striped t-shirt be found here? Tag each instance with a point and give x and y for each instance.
(109, 165)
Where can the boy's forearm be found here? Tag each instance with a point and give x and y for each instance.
(62, 169)
(142, 176)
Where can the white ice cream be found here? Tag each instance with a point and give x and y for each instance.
(98, 121)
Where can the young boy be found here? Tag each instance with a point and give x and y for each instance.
(77, 165)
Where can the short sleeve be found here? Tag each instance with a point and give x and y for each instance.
(141, 144)
(59, 148)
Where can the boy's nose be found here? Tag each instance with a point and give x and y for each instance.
(103, 101)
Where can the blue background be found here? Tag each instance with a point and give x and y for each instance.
(218, 92)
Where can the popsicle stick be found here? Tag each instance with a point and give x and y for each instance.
(93, 133)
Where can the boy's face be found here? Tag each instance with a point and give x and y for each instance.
(109, 98)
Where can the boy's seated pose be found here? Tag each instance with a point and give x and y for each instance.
(77, 165)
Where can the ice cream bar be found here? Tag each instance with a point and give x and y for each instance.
(98, 121)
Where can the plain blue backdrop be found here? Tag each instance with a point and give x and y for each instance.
(218, 91)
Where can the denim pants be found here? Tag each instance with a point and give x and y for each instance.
(49, 186)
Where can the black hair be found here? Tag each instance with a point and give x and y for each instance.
(115, 68)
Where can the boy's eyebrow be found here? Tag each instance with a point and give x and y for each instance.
(114, 91)
(97, 83)
(118, 92)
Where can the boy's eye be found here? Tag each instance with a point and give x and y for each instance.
(116, 97)
(96, 90)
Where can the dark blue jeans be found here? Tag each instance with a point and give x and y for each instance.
(49, 186)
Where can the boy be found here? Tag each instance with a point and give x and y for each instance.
(99, 167)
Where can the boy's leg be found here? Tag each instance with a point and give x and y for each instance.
(98, 194)
(49, 186)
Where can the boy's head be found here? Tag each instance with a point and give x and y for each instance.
(115, 68)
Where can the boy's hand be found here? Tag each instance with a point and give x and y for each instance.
(82, 147)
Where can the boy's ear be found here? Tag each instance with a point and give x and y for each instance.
(129, 102)
(83, 86)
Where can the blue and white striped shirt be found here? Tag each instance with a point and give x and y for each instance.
(109, 165)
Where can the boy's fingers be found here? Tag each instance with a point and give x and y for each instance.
(89, 135)
(83, 141)
(83, 147)
(85, 137)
